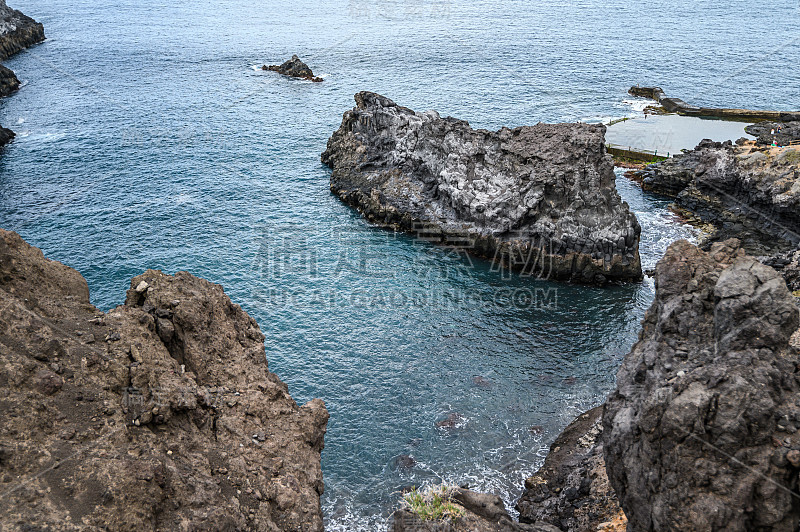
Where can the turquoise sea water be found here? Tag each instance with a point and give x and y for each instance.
(148, 137)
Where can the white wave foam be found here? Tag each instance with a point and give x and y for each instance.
(639, 104)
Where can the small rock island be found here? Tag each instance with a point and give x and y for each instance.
(294, 68)
(538, 199)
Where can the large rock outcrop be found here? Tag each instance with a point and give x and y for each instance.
(746, 191)
(160, 414)
(571, 490)
(17, 31)
(702, 430)
(542, 199)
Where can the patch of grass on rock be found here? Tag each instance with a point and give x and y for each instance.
(432, 503)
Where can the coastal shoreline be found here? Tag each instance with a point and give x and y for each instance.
(17, 32)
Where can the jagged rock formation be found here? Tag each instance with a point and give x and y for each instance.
(702, 430)
(17, 31)
(767, 132)
(294, 68)
(481, 512)
(571, 490)
(745, 191)
(542, 199)
(160, 414)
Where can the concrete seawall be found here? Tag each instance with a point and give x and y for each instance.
(619, 153)
(676, 105)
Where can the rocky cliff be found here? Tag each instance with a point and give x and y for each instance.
(571, 490)
(160, 414)
(542, 199)
(702, 430)
(746, 191)
(17, 31)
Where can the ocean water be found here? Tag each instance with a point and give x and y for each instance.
(149, 138)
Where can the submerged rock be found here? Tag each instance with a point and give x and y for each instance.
(540, 199)
(702, 430)
(293, 68)
(452, 421)
(404, 461)
(571, 490)
(172, 421)
(481, 382)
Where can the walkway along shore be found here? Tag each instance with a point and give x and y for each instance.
(676, 105)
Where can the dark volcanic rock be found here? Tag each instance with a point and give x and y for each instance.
(481, 512)
(17, 31)
(571, 490)
(6, 136)
(746, 192)
(108, 423)
(8, 81)
(540, 199)
(788, 264)
(293, 68)
(781, 132)
(701, 433)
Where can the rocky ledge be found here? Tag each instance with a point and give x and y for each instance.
(160, 414)
(17, 31)
(541, 199)
(702, 430)
(571, 490)
(781, 133)
(294, 68)
(8, 81)
(745, 191)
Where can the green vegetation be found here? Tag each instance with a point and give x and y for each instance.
(432, 503)
(792, 157)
